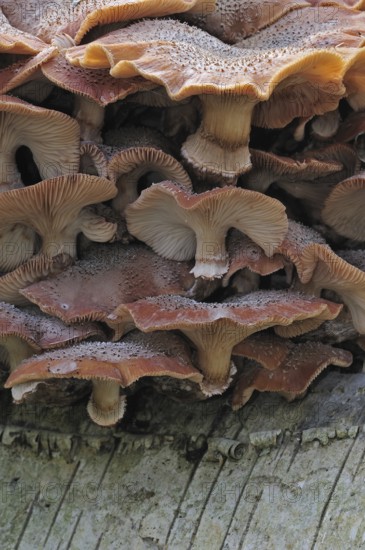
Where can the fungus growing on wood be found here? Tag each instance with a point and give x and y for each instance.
(292, 377)
(52, 137)
(55, 209)
(230, 81)
(179, 225)
(343, 209)
(106, 277)
(111, 366)
(215, 328)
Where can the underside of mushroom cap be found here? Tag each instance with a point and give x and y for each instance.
(343, 209)
(179, 225)
(106, 277)
(302, 364)
(55, 210)
(52, 137)
(34, 270)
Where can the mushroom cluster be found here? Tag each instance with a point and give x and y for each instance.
(181, 198)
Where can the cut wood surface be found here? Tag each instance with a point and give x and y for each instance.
(189, 476)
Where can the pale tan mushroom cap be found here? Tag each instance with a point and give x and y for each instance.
(52, 137)
(344, 208)
(179, 225)
(55, 210)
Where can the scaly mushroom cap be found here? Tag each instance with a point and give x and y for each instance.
(303, 363)
(232, 21)
(230, 81)
(55, 210)
(35, 269)
(96, 85)
(268, 168)
(26, 71)
(129, 165)
(343, 209)
(264, 348)
(215, 328)
(52, 137)
(323, 269)
(13, 40)
(76, 18)
(244, 253)
(111, 366)
(106, 277)
(179, 225)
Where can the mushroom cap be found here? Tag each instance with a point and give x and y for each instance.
(323, 269)
(25, 70)
(52, 137)
(55, 208)
(127, 166)
(96, 85)
(244, 253)
(125, 362)
(233, 319)
(266, 349)
(232, 21)
(78, 18)
(268, 168)
(35, 269)
(144, 48)
(107, 276)
(41, 331)
(178, 224)
(93, 159)
(14, 40)
(303, 363)
(343, 209)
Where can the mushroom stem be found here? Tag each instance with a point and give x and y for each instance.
(220, 145)
(52, 245)
(214, 353)
(211, 259)
(17, 350)
(106, 406)
(90, 116)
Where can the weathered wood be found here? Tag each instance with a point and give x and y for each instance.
(274, 475)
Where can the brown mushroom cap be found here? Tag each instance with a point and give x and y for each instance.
(264, 348)
(269, 168)
(35, 269)
(52, 137)
(26, 70)
(111, 366)
(244, 253)
(106, 277)
(303, 363)
(215, 328)
(55, 210)
(179, 225)
(229, 80)
(13, 40)
(343, 209)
